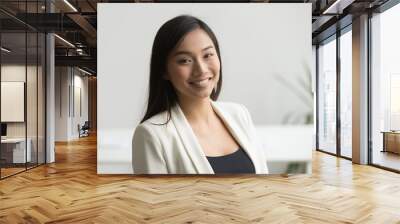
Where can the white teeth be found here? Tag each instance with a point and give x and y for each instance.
(201, 83)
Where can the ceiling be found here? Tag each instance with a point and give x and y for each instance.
(76, 22)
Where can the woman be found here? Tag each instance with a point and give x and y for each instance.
(184, 130)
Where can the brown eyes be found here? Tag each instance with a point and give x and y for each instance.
(185, 61)
(208, 55)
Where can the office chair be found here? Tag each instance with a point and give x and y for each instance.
(84, 130)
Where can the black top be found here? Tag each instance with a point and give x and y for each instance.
(237, 162)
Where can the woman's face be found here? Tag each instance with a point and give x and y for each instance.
(193, 66)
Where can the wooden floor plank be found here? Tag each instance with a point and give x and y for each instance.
(70, 191)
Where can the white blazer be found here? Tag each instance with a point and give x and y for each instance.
(174, 149)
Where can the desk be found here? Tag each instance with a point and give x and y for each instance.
(16, 147)
(286, 146)
(391, 141)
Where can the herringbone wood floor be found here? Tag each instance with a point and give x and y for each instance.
(70, 191)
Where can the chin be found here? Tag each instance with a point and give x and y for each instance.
(202, 95)
(206, 96)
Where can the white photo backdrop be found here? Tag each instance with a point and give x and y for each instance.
(266, 60)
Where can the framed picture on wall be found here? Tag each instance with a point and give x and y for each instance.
(12, 101)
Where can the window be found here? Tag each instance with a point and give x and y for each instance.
(327, 96)
(385, 88)
(346, 93)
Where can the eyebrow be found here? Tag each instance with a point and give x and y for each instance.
(187, 52)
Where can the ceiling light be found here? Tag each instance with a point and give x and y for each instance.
(70, 5)
(337, 7)
(84, 71)
(5, 50)
(329, 9)
(64, 40)
(79, 51)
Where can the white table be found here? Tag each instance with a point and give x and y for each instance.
(285, 145)
(18, 145)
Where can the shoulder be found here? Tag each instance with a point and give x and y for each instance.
(153, 126)
(231, 108)
(234, 110)
(160, 118)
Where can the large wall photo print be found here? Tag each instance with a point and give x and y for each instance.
(210, 88)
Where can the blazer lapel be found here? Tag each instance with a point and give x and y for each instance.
(190, 142)
(238, 134)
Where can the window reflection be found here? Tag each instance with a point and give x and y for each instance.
(346, 94)
(327, 96)
(13, 86)
(386, 89)
(22, 91)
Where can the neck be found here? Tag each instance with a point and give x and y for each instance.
(197, 111)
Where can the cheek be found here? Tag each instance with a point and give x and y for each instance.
(179, 74)
(215, 66)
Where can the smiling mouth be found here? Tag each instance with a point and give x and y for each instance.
(200, 83)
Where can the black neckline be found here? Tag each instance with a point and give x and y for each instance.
(227, 155)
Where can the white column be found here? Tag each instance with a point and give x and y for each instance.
(50, 92)
(63, 102)
(360, 90)
(50, 100)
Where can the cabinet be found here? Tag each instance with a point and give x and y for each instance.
(391, 142)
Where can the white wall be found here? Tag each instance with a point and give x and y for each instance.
(68, 81)
(12, 101)
(33, 126)
(12, 97)
(18, 73)
(266, 59)
(81, 81)
(61, 103)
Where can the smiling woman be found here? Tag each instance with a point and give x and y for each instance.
(193, 67)
(184, 130)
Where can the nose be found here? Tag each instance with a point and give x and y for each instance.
(200, 67)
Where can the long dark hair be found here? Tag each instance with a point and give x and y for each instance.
(162, 95)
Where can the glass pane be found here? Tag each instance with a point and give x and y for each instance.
(23, 82)
(327, 96)
(13, 86)
(31, 101)
(346, 94)
(386, 89)
(41, 98)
